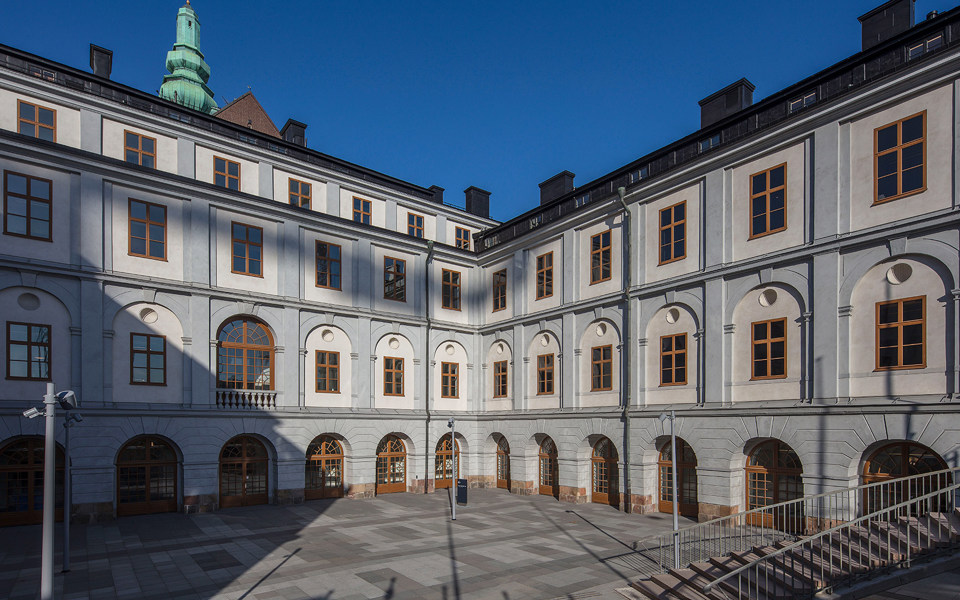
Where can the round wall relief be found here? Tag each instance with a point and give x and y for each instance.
(148, 315)
(601, 329)
(28, 301)
(394, 343)
(768, 297)
(899, 273)
(449, 349)
(327, 335)
(544, 340)
(500, 348)
(673, 315)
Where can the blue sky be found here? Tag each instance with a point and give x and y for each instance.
(500, 95)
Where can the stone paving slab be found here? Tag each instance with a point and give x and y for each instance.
(398, 546)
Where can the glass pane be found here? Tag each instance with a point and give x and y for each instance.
(759, 331)
(887, 187)
(888, 357)
(912, 179)
(777, 219)
(777, 200)
(679, 214)
(777, 177)
(913, 355)
(777, 329)
(913, 310)
(28, 129)
(887, 164)
(220, 180)
(40, 189)
(664, 221)
(16, 206)
(138, 245)
(27, 111)
(912, 156)
(45, 116)
(146, 144)
(888, 336)
(233, 168)
(887, 138)
(912, 129)
(759, 183)
(156, 249)
(889, 313)
(16, 184)
(912, 334)
(39, 210)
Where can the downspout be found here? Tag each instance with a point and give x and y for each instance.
(627, 354)
(426, 367)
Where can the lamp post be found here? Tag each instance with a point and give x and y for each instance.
(71, 419)
(452, 424)
(676, 497)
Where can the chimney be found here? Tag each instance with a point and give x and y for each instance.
(556, 186)
(437, 193)
(101, 61)
(886, 21)
(478, 202)
(295, 132)
(731, 99)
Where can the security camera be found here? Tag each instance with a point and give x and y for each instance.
(663, 417)
(67, 399)
(32, 413)
(450, 422)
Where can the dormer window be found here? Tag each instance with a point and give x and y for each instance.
(803, 102)
(920, 48)
(709, 143)
(639, 174)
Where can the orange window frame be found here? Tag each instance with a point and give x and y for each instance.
(139, 152)
(767, 343)
(545, 275)
(247, 245)
(149, 353)
(449, 380)
(499, 290)
(415, 225)
(899, 325)
(601, 251)
(35, 122)
(362, 210)
(395, 279)
(300, 192)
(899, 148)
(601, 368)
(31, 202)
(147, 223)
(450, 289)
(668, 359)
(327, 372)
(545, 378)
(225, 173)
(392, 366)
(673, 230)
(500, 379)
(767, 193)
(462, 238)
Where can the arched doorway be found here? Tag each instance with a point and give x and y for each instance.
(606, 474)
(774, 475)
(146, 477)
(503, 463)
(21, 482)
(896, 461)
(324, 469)
(549, 470)
(244, 463)
(391, 466)
(244, 355)
(443, 470)
(686, 479)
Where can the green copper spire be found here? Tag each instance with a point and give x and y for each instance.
(187, 82)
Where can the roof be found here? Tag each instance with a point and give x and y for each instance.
(246, 111)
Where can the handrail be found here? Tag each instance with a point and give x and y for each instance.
(809, 540)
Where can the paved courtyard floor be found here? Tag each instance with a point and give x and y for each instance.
(397, 546)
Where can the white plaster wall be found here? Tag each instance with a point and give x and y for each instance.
(615, 283)
(49, 312)
(543, 343)
(451, 352)
(651, 239)
(874, 287)
(172, 266)
(599, 333)
(328, 339)
(429, 221)
(58, 249)
(413, 283)
(113, 144)
(404, 350)
(487, 274)
(67, 117)
(658, 326)
(224, 277)
(534, 305)
(249, 170)
(378, 208)
(743, 247)
(437, 311)
(311, 291)
(128, 321)
(939, 156)
(499, 350)
(748, 311)
(281, 189)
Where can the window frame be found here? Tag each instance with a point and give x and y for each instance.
(899, 150)
(769, 341)
(27, 198)
(673, 353)
(30, 344)
(147, 222)
(246, 243)
(671, 226)
(149, 353)
(36, 122)
(299, 195)
(462, 241)
(365, 212)
(606, 368)
(226, 173)
(398, 276)
(450, 290)
(542, 287)
(900, 324)
(327, 369)
(393, 370)
(449, 380)
(139, 150)
(500, 379)
(330, 261)
(546, 374)
(500, 290)
(415, 224)
(608, 250)
(246, 354)
(766, 193)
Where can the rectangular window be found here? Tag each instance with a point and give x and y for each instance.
(601, 368)
(449, 380)
(803, 101)
(328, 265)
(394, 279)
(544, 374)
(148, 359)
(901, 331)
(147, 224)
(36, 121)
(247, 249)
(450, 290)
(500, 379)
(710, 143)
(545, 275)
(768, 201)
(600, 253)
(499, 290)
(301, 193)
(328, 372)
(415, 225)
(769, 349)
(900, 158)
(918, 49)
(139, 149)
(673, 233)
(28, 351)
(226, 173)
(392, 376)
(361, 211)
(673, 359)
(463, 238)
(27, 206)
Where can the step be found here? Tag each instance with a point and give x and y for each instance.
(898, 535)
(871, 541)
(769, 578)
(744, 584)
(806, 564)
(677, 587)
(935, 533)
(697, 581)
(851, 552)
(650, 589)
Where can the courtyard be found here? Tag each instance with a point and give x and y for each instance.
(394, 546)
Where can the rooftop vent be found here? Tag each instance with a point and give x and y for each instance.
(478, 202)
(101, 61)
(556, 186)
(437, 193)
(886, 21)
(294, 132)
(731, 99)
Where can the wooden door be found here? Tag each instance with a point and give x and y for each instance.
(391, 466)
(244, 466)
(503, 464)
(324, 469)
(146, 477)
(549, 470)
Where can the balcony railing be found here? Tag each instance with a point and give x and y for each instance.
(252, 399)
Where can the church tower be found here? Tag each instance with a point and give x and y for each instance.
(187, 82)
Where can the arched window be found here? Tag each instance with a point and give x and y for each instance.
(503, 463)
(443, 470)
(686, 479)
(549, 470)
(146, 477)
(324, 469)
(391, 466)
(896, 461)
(244, 464)
(245, 355)
(21, 482)
(606, 474)
(774, 476)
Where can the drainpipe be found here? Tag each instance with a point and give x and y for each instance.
(627, 353)
(426, 367)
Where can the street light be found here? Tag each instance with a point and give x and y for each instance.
(676, 498)
(71, 419)
(451, 423)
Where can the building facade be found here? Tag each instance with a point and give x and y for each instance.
(246, 320)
